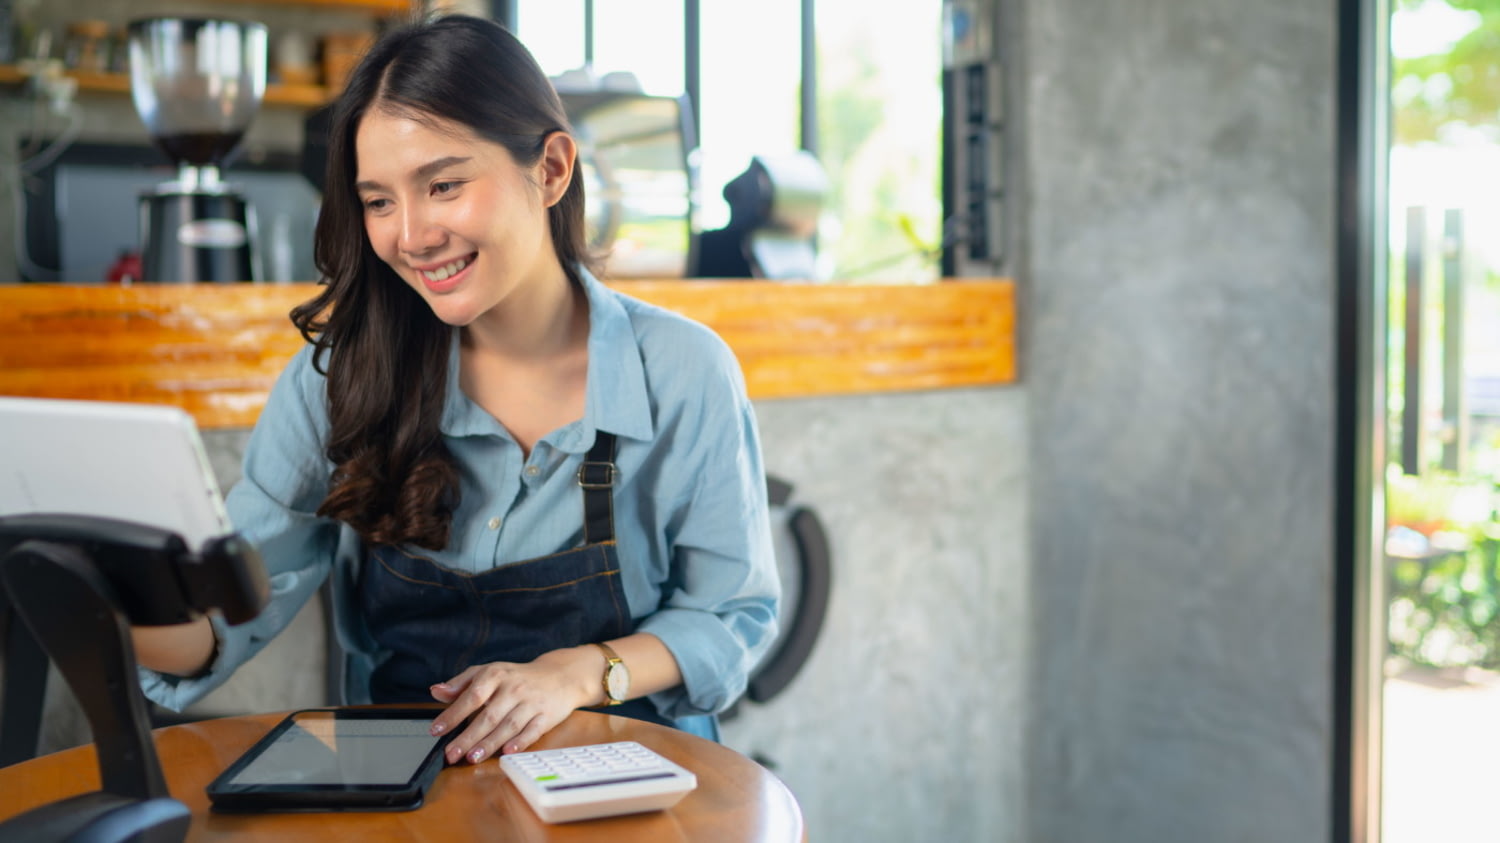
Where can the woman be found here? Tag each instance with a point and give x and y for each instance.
(534, 494)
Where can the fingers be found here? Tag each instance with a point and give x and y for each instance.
(529, 735)
(498, 707)
(448, 692)
(507, 708)
(496, 725)
(505, 736)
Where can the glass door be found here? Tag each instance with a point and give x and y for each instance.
(1439, 565)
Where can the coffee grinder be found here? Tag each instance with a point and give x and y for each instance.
(197, 85)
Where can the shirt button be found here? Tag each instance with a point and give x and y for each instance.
(532, 471)
(495, 523)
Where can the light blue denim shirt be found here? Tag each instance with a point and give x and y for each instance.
(691, 515)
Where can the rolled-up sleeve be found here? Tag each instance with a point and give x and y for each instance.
(718, 618)
(285, 478)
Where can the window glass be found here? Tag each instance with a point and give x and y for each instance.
(879, 100)
(553, 31)
(751, 69)
(644, 37)
(880, 138)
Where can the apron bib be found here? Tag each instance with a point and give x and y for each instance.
(435, 621)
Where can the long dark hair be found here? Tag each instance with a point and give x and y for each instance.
(383, 350)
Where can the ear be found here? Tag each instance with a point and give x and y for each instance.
(559, 156)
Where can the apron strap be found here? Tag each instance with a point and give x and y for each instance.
(595, 476)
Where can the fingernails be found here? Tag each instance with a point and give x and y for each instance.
(437, 729)
(476, 756)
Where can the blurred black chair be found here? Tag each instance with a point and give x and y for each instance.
(806, 567)
(774, 208)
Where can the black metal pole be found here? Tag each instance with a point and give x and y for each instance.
(809, 100)
(1455, 404)
(588, 33)
(692, 68)
(504, 12)
(1359, 454)
(1416, 270)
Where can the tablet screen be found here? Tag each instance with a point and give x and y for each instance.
(318, 748)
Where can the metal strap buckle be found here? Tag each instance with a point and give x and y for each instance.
(596, 475)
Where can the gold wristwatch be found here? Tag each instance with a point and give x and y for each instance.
(616, 676)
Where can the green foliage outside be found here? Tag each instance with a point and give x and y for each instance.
(885, 194)
(1460, 87)
(1444, 600)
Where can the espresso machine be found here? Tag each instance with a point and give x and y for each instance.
(197, 85)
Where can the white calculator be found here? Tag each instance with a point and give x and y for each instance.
(598, 780)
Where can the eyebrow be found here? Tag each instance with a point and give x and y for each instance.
(424, 172)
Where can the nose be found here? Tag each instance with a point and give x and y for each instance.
(420, 233)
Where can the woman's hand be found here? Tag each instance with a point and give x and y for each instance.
(514, 704)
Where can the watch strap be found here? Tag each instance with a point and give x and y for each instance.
(610, 660)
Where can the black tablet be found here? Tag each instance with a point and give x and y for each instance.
(341, 759)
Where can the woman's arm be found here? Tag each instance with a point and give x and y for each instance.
(180, 649)
(285, 477)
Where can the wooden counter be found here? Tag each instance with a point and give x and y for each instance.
(736, 800)
(215, 350)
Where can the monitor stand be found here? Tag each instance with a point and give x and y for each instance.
(74, 581)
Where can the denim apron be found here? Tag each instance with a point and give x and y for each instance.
(435, 622)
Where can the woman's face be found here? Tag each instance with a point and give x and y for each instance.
(454, 214)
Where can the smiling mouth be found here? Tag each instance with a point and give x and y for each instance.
(446, 271)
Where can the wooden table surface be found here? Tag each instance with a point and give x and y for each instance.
(736, 799)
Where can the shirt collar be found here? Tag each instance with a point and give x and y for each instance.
(617, 399)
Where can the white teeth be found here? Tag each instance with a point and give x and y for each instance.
(443, 273)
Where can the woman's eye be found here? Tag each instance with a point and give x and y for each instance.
(445, 187)
(375, 204)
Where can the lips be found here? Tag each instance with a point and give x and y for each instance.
(443, 277)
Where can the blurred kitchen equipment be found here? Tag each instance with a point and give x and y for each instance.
(639, 196)
(197, 85)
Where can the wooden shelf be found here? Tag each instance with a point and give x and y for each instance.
(293, 96)
(216, 349)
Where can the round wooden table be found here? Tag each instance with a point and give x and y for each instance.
(736, 799)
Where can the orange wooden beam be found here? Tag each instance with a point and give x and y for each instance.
(215, 350)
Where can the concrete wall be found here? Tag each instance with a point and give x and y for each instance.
(1178, 270)
(907, 722)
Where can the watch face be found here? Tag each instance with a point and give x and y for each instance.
(617, 682)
